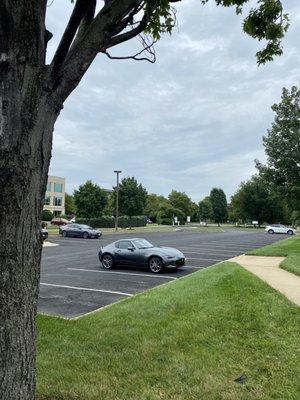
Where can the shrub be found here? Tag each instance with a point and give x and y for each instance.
(47, 215)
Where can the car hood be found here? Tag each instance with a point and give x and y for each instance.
(165, 251)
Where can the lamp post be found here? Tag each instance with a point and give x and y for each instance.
(117, 202)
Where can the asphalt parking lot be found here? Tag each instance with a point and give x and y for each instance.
(73, 282)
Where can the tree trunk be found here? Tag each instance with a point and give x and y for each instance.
(27, 117)
(24, 160)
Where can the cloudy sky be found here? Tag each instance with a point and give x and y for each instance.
(190, 122)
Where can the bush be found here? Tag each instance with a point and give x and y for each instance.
(166, 221)
(107, 221)
(47, 215)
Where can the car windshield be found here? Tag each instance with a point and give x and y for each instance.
(142, 244)
(85, 227)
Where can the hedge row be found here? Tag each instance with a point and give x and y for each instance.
(169, 221)
(109, 222)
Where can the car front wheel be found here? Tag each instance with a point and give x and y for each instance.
(290, 232)
(107, 261)
(156, 265)
(64, 233)
(271, 231)
(85, 235)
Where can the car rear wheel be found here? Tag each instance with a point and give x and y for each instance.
(271, 231)
(107, 261)
(64, 233)
(85, 235)
(290, 232)
(156, 265)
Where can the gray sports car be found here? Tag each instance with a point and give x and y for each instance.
(139, 252)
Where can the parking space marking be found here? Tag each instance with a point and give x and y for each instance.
(211, 250)
(123, 273)
(87, 289)
(206, 259)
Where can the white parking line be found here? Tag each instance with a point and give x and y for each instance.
(87, 289)
(122, 273)
(204, 249)
(206, 259)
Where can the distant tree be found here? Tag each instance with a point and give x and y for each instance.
(205, 209)
(154, 204)
(132, 197)
(181, 201)
(90, 200)
(194, 212)
(258, 200)
(219, 205)
(70, 207)
(282, 147)
(110, 208)
(47, 215)
(168, 212)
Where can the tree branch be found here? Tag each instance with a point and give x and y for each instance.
(146, 48)
(94, 40)
(68, 36)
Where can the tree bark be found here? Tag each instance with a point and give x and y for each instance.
(27, 117)
(23, 176)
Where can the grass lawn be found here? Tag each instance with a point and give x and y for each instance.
(289, 248)
(187, 340)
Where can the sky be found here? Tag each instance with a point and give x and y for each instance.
(192, 121)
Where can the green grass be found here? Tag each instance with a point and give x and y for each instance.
(187, 340)
(289, 248)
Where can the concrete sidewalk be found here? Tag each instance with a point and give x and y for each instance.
(267, 269)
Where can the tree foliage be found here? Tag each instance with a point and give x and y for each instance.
(258, 200)
(70, 207)
(90, 200)
(132, 197)
(154, 204)
(266, 21)
(181, 201)
(219, 205)
(282, 147)
(205, 209)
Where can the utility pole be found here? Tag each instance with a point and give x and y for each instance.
(117, 202)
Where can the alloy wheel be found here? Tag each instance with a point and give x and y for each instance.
(155, 264)
(107, 261)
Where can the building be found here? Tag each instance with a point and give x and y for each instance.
(55, 195)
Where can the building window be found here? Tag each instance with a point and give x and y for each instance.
(49, 187)
(57, 201)
(47, 201)
(58, 187)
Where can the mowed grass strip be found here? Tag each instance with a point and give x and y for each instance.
(289, 248)
(187, 340)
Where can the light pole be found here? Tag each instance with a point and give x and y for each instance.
(117, 202)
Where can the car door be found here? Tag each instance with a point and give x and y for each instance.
(124, 255)
(74, 230)
(282, 229)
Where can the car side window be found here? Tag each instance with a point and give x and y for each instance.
(124, 244)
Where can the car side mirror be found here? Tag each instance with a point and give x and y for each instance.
(130, 248)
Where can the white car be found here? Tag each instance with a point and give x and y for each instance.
(278, 228)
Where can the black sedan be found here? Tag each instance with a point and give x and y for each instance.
(79, 230)
(139, 252)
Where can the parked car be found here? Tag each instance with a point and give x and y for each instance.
(59, 221)
(278, 228)
(140, 252)
(44, 233)
(79, 230)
